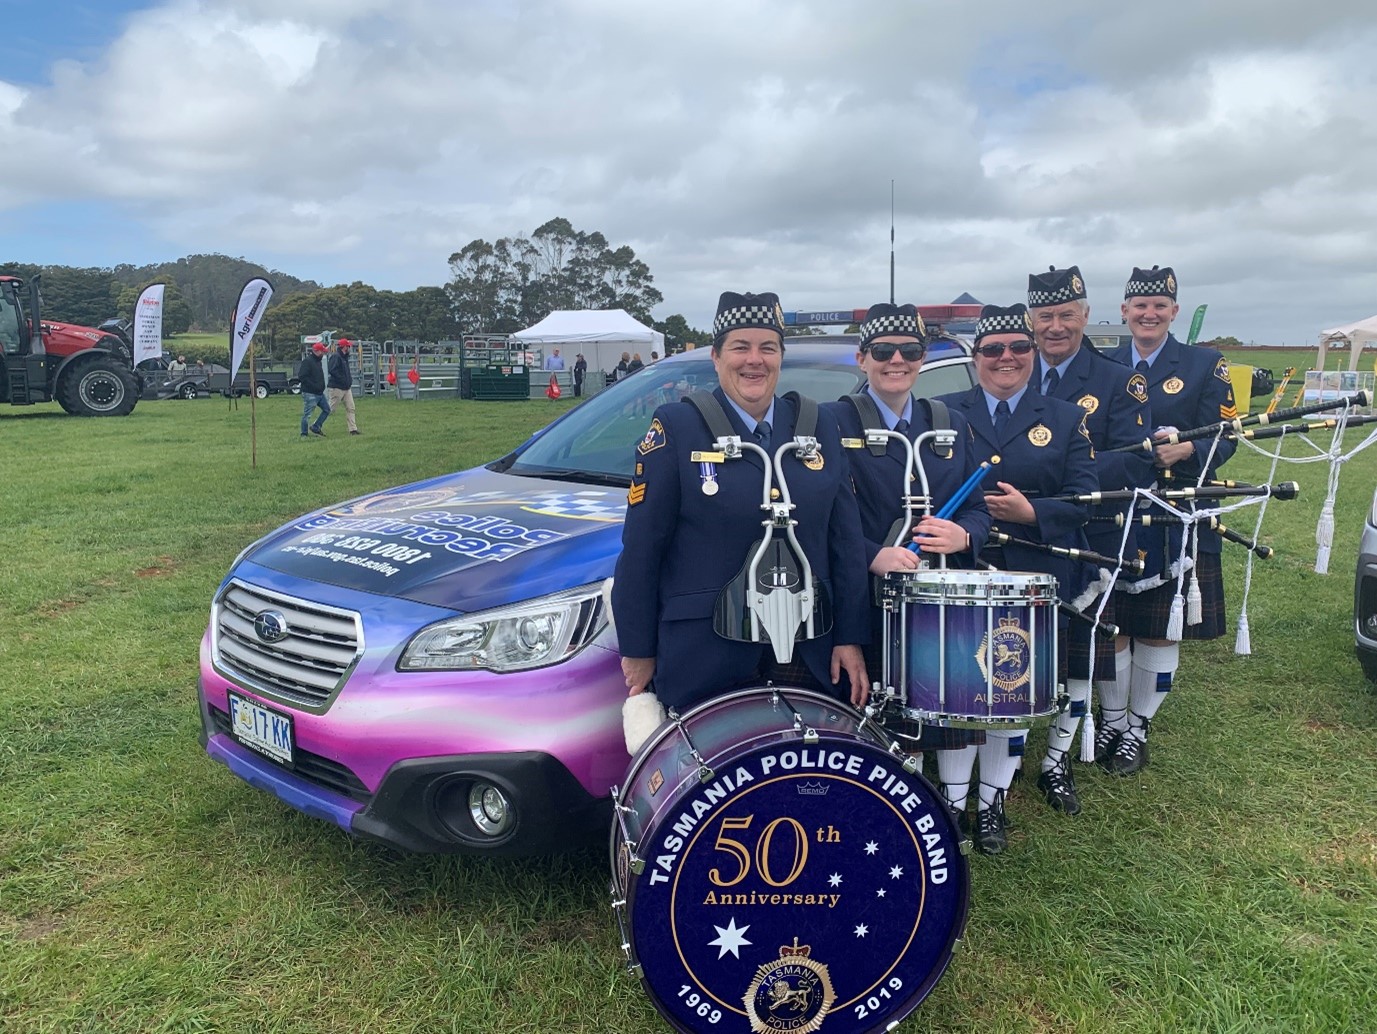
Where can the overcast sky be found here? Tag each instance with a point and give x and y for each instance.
(735, 145)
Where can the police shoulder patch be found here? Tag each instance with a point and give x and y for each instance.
(654, 438)
(1137, 387)
(1221, 370)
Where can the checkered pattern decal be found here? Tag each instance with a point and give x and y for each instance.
(579, 506)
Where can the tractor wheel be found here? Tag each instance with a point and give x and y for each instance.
(260, 391)
(100, 386)
(188, 391)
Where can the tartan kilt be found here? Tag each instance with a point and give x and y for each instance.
(1144, 615)
(1076, 643)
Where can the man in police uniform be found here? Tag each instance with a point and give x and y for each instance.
(1187, 387)
(1115, 401)
(1045, 452)
(692, 523)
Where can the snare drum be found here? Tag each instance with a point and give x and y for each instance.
(971, 649)
(775, 863)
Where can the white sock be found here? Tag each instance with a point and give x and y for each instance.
(954, 768)
(1114, 695)
(1153, 668)
(1063, 728)
(999, 758)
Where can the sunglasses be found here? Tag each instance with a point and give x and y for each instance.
(884, 352)
(995, 351)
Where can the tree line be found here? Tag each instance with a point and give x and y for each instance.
(497, 287)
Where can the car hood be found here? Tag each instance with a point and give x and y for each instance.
(465, 541)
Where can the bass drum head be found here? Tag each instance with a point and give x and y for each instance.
(811, 884)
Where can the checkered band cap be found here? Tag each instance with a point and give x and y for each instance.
(735, 311)
(1150, 282)
(995, 319)
(883, 318)
(1055, 287)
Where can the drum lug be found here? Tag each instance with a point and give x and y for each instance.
(810, 735)
(912, 763)
(618, 912)
(619, 811)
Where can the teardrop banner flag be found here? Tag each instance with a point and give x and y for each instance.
(253, 302)
(392, 371)
(148, 324)
(1197, 321)
(552, 392)
(413, 374)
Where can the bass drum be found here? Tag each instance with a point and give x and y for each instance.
(778, 866)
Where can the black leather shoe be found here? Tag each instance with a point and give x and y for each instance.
(1130, 756)
(318, 432)
(356, 432)
(990, 835)
(1106, 739)
(1059, 787)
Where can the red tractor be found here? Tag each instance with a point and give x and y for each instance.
(88, 372)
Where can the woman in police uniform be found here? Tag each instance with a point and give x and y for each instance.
(691, 525)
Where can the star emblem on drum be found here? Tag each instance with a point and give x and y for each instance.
(871, 847)
(835, 879)
(879, 893)
(862, 930)
(731, 939)
(895, 871)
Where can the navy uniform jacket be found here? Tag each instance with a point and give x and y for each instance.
(1188, 387)
(879, 480)
(1063, 464)
(680, 546)
(1117, 412)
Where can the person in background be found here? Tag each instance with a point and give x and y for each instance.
(635, 363)
(654, 357)
(339, 382)
(580, 372)
(554, 361)
(313, 391)
(622, 367)
(177, 367)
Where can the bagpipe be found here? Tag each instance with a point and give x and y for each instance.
(1211, 523)
(1238, 424)
(1283, 490)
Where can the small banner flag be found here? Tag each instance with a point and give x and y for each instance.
(1197, 321)
(552, 392)
(253, 301)
(392, 371)
(148, 324)
(413, 374)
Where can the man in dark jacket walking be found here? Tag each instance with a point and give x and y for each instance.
(340, 382)
(313, 390)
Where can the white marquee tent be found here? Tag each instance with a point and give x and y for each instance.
(1354, 335)
(602, 335)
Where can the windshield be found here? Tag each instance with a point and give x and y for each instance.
(596, 441)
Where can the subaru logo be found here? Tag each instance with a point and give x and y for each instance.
(271, 626)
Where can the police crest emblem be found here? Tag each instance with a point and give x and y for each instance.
(1005, 657)
(793, 993)
(654, 438)
(1137, 387)
(1077, 287)
(1221, 370)
(1041, 435)
(1089, 403)
(1171, 284)
(1173, 385)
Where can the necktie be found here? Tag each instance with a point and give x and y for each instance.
(1142, 367)
(1001, 418)
(901, 426)
(762, 434)
(1051, 382)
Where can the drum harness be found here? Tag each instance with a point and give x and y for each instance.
(776, 613)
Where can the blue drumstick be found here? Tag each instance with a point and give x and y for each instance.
(960, 495)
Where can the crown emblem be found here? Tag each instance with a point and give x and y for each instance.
(813, 789)
(798, 951)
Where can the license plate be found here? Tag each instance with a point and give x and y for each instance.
(261, 729)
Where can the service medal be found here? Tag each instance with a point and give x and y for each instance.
(1173, 385)
(709, 475)
(1040, 435)
(710, 486)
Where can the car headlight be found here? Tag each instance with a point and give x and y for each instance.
(525, 635)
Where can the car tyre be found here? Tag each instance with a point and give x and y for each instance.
(188, 391)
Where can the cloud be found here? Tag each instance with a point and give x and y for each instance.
(737, 145)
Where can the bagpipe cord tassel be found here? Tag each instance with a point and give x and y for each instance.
(1087, 751)
(1194, 606)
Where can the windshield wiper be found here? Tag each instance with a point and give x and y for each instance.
(589, 477)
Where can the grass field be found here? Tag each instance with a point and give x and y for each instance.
(1231, 887)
